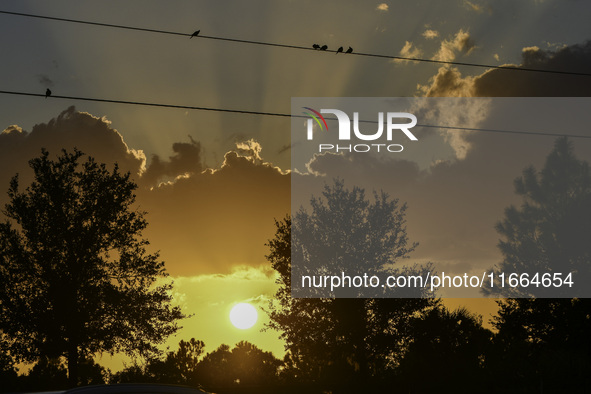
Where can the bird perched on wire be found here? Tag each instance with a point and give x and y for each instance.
(195, 34)
(339, 50)
(316, 46)
(324, 47)
(350, 50)
(47, 93)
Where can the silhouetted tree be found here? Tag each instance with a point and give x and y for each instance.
(46, 374)
(177, 367)
(186, 359)
(544, 344)
(213, 370)
(252, 366)
(51, 374)
(90, 373)
(245, 368)
(134, 373)
(79, 278)
(450, 345)
(8, 374)
(343, 341)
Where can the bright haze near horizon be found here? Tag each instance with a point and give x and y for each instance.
(213, 183)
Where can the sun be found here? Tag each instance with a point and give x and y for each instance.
(243, 316)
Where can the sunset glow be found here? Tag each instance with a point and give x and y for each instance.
(225, 125)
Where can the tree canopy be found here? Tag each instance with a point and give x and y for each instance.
(78, 278)
(342, 341)
(345, 232)
(244, 368)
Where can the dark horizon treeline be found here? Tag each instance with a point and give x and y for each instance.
(449, 352)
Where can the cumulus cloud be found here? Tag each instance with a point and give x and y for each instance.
(459, 43)
(464, 112)
(449, 82)
(408, 50)
(250, 149)
(430, 34)
(186, 160)
(383, 7)
(555, 46)
(203, 220)
(70, 129)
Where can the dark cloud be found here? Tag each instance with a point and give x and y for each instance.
(70, 129)
(449, 82)
(186, 160)
(461, 200)
(201, 220)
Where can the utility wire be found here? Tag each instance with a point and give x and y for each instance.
(99, 100)
(278, 114)
(294, 46)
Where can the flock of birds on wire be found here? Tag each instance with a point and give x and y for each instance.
(196, 33)
(325, 47)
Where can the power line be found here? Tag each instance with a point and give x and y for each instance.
(279, 114)
(99, 100)
(391, 57)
